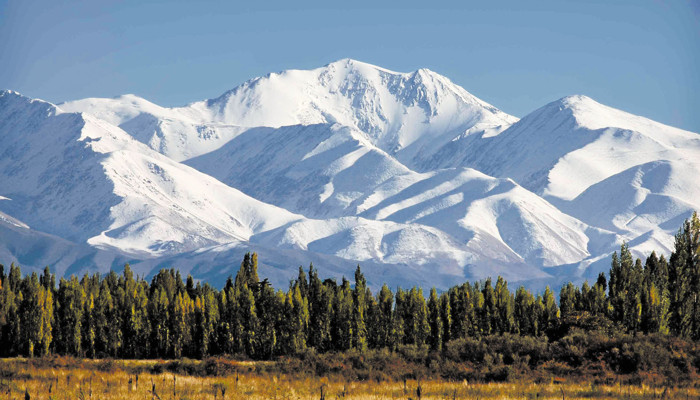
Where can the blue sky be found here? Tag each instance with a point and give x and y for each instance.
(640, 56)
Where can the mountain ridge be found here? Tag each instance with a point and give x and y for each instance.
(369, 165)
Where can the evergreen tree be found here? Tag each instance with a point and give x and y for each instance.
(401, 310)
(489, 313)
(303, 283)
(505, 319)
(567, 299)
(684, 281)
(625, 284)
(47, 279)
(9, 318)
(89, 326)
(446, 316)
(359, 328)
(71, 303)
(268, 314)
(159, 316)
(385, 303)
(598, 298)
(301, 318)
(654, 305)
(434, 321)
(372, 320)
(458, 306)
(248, 319)
(15, 278)
(320, 308)
(524, 312)
(230, 326)
(182, 310)
(549, 311)
(133, 303)
(248, 273)
(36, 317)
(416, 325)
(342, 317)
(656, 271)
(108, 323)
(583, 300)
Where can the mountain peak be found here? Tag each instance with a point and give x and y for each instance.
(351, 64)
(4, 92)
(395, 110)
(576, 99)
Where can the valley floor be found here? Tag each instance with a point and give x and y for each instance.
(66, 378)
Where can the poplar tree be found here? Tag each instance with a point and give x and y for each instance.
(342, 317)
(446, 317)
(159, 316)
(385, 326)
(598, 298)
(108, 323)
(359, 327)
(416, 318)
(684, 281)
(399, 322)
(248, 319)
(268, 313)
(320, 307)
(549, 314)
(71, 303)
(504, 320)
(567, 300)
(182, 309)
(301, 313)
(524, 312)
(434, 321)
(9, 318)
(488, 313)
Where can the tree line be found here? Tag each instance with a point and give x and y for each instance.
(117, 315)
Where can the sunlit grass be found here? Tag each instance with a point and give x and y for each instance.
(73, 379)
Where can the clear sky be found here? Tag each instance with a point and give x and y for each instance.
(640, 56)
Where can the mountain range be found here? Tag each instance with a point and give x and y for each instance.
(407, 174)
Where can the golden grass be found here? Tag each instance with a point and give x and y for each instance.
(83, 381)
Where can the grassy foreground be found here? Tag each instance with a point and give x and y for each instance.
(62, 378)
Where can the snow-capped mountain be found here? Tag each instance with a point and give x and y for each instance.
(408, 115)
(406, 173)
(82, 179)
(75, 177)
(606, 167)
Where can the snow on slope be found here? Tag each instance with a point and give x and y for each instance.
(172, 132)
(85, 180)
(401, 113)
(472, 206)
(383, 162)
(608, 168)
(315, 170)
(88, 181)
(324, 171)
(408, 115)
(33, 250)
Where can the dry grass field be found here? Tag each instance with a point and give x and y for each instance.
(86, 380)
